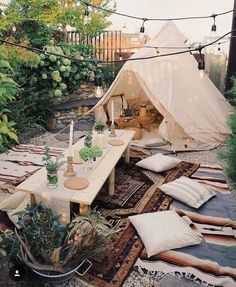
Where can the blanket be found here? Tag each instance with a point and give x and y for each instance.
(21, 162)
(213, 262)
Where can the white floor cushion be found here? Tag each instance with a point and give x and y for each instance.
(164, 230)
(188, 191)
(158, 162)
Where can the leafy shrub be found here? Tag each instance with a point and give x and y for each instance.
(109, 72)
(37, 33)
(8, 89)
(43, 79)
(229, 154)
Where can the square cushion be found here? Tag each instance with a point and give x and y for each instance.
(158, 162)
(188, 191)
(164, 230)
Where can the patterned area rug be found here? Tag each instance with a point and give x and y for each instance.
(135, 193)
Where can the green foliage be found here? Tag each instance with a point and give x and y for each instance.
(229, 154)
(59, 75)
(8, 89)
(35, 32)
(55, 14)
(9, 245)
(42, 80)
(99, 126)
(233, 92)
(88, 139)
(52, 243)
(109, 72)
(50, 162)
(41, 228)
(88, 153)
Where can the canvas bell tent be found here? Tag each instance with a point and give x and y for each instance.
(194, 111)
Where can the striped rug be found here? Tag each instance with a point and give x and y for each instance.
(213, 262)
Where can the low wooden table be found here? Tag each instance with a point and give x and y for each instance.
(134, 121)
(59, 199)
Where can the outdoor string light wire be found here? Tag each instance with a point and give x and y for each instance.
(144, 19)
(96, 61)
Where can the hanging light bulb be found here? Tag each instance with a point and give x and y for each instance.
(120, 57)
(201, 65)
(202, 74)
(213, 27)
(142, 29)
(13, 29)
(98, 86)
(86, 15)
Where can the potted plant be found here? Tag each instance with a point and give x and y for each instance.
(90, 154)
(99, 127)
(54, 251)
(52, 165)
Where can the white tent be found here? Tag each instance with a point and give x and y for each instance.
(195, 112)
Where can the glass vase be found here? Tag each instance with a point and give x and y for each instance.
(88, 165)
(52, 177)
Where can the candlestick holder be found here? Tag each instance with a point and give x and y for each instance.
(112, 133)
(69, 170)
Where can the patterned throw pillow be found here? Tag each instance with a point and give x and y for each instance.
(188, 191)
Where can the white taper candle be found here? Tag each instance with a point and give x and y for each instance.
(112, 112)
(71, 138)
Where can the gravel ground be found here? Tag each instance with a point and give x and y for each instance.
(203, 157)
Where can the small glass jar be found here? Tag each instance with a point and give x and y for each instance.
(52, 177)
(88, 165)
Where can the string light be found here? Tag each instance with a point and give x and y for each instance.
(155, 19)
(117, 61)
(201, 64)
(213, 27)
(142, 28)
(86, 15)
(98, 91)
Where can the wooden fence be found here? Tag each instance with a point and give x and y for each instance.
(107, 44)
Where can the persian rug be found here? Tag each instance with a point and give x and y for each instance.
(135, 193)
(213, 262)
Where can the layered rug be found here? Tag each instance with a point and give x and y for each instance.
(212, 263)
(135, 193)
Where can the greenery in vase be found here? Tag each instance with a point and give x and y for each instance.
(99, 126)
(52, 164)
(87, 153)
